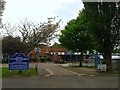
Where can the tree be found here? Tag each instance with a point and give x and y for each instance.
(11, 45)
(2, 4)
(56, 45)
(2, 7)
(104, 22)
(9, 30)
(76, 37)
(35, 34)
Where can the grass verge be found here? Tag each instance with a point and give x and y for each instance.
(83, 66)
(90, 69)
(5, 72)
(80, 69)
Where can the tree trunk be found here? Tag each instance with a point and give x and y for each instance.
(81, 59)
(107, 61)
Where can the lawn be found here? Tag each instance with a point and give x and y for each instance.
(15, 73)
(88, 68)
(83, 67)
(79, 69)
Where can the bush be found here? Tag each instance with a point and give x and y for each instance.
(34, 59)
(43, 59)
(4, 60)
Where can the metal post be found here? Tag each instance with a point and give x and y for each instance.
(36, 68)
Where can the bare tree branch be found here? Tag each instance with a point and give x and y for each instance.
(34, 34)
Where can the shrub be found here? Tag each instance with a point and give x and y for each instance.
(34, 59)
(4, 60)
(43, 59)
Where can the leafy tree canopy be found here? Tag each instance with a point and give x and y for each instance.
(11, 45)
(76, 36)
(35, 34)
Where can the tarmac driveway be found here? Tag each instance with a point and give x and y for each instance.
(54, 69)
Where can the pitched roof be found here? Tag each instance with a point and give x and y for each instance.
(44, 50)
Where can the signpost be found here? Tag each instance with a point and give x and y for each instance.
(68, 53)
(18, 62)
(96, 59)
(37, 52)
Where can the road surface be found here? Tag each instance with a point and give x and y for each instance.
(61, 78)
(54, 69)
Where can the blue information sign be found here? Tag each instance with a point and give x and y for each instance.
(68, 53)
(97, 59)
(18, 62)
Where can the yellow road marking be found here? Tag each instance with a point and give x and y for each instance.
(92, 75)
(49, 71)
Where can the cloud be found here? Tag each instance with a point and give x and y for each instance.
(39, 10)
(69, 10)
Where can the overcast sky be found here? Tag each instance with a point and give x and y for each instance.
(39, 10)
